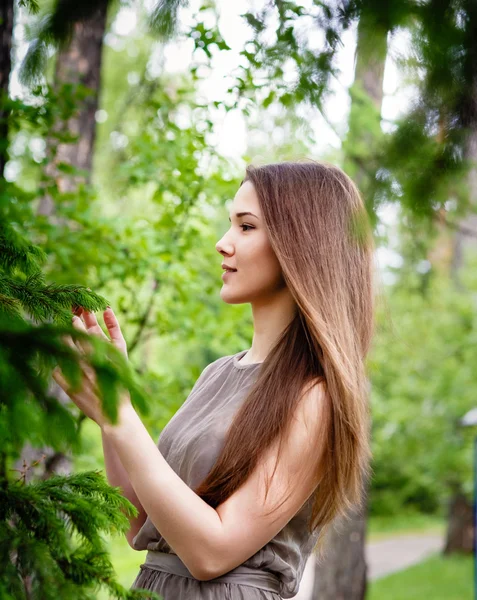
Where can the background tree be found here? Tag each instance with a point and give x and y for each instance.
(69, 147)
(343, 572)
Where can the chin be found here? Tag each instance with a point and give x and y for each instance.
(231, 298)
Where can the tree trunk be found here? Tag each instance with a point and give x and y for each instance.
(460, 529)
(342, 573)
(79, 63)
(460, 525)
(371, 51)
(6, 32)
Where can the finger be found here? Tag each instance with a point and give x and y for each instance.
(76, 310)
(80, 326)
(92, 325)
(114, 330)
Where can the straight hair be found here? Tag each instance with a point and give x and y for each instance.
(319, 229)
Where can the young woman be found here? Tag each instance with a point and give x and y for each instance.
(272, 443)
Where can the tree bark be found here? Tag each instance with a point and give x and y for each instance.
(79, 63)
(460, 529)
(371, 51)
(342, 573)
(370, 59)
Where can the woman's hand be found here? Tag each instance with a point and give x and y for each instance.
(87, 397)
(89, 323)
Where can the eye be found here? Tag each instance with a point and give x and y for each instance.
(249, 226)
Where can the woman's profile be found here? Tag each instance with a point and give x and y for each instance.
(272, 443)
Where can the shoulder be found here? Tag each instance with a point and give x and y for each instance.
(215, 367)
(218, 363)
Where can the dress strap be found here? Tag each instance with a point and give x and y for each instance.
(242, 575)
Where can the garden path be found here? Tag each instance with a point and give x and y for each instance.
(384, 557)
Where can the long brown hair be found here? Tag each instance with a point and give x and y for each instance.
(319, 230)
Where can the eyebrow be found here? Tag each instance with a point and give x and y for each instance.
(242, 214)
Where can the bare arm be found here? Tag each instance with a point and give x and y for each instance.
(184, 520)
(115, 472)
(118, 477)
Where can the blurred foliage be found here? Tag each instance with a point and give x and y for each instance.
(423, 382)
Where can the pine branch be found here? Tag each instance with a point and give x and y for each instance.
(52, 529)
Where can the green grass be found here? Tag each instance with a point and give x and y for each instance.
(436, 578)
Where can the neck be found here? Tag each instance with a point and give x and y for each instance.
(270, 317)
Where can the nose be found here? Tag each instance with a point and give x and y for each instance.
(220, 246)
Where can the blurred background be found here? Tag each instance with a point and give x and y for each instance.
(125, 136)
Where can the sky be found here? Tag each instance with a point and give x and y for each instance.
(230, 128)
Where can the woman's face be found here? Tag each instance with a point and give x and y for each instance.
(245, 247)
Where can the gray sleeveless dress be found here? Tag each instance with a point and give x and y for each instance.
(190, 443)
